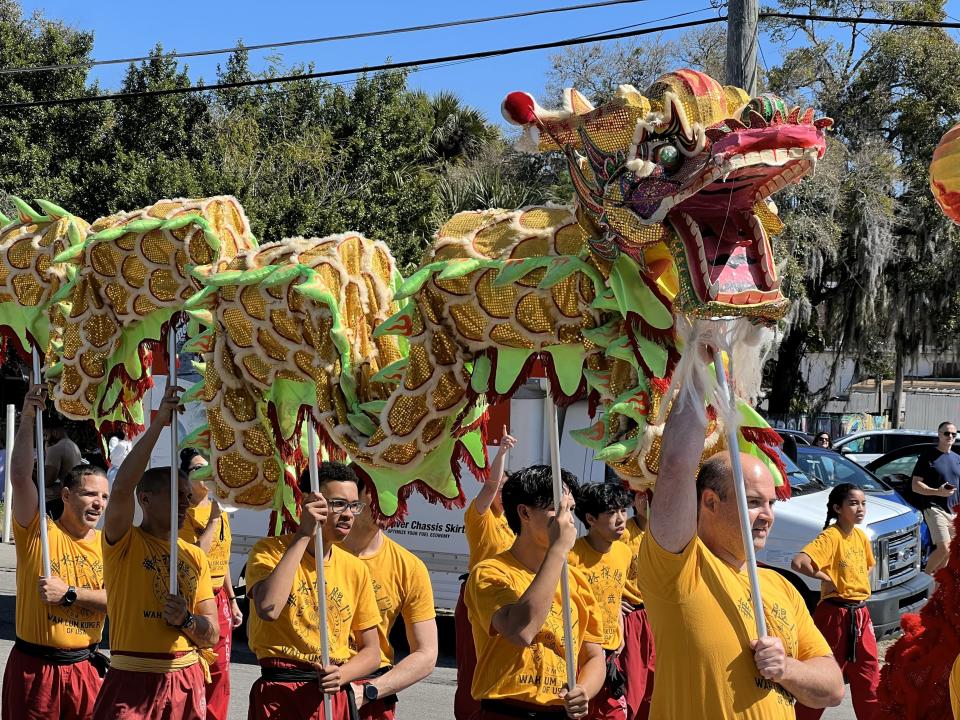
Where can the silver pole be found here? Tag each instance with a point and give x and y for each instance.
(568, 641)
(8, 481)
(745, 529)
(318, 552)
(41, 477)
(174, 470)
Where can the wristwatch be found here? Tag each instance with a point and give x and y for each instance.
(189, 622)
(370, 692)
(69, 597)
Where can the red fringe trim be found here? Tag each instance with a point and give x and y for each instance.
(593, 403)
(767, 439)
(386, 522)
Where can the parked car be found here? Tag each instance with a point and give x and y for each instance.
(801, 437)
(897, 583)
(900, 461)
(867, 445)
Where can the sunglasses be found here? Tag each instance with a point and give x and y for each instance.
(947, 433)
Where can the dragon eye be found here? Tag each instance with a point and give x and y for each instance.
(668, 157)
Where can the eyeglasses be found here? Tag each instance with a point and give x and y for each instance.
(338, 506)
(947, 433)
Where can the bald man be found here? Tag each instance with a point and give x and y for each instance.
(710, 662)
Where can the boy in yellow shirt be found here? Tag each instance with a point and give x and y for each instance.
(602, 508)
(515, 609)
(284, 629)
(487, 535)
(54, 670)
(402, 587)
(159, 643)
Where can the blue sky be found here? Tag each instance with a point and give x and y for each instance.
(126, 29)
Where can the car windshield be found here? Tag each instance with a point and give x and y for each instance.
(800, 482)
(831, 469)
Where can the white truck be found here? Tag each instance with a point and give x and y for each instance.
(436, 534)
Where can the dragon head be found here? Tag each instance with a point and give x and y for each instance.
(688, 168)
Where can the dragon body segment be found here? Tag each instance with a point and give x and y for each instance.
(671, 218)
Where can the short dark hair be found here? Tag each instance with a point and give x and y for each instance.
(156, 480)
(597, 498)
(74, 478)
(533, 487)
(186, 456)
(714, 475)
(329, 471)
(942, 425)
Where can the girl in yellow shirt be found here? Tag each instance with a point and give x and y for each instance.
(841, 557)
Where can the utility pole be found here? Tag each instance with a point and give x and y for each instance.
(741, 61)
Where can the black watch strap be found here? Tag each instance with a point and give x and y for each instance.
(69, 597)
(370, 692)
(189, 622)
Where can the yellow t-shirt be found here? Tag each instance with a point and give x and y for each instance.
(846, 559)
(78, 563)
(137, 577)
(401, 585)
(633, 538)
(487, 534)
(194, 523)
(955, 689)
(535, 674)
(700, 611)
(295, 635)
(606, 574)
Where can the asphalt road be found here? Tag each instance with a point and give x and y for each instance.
(431, 699)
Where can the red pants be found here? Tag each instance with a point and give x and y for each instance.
(637, 660)
(464, 706)
(604, 706)
(294, 701)
(37, 690)
(128, 695)
(378, 710)
(218, 689)
(863, 675)
(554, 713)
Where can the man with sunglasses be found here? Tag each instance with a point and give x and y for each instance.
(935, 479)
(283, 630)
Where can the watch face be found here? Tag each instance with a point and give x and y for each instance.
(370, 692)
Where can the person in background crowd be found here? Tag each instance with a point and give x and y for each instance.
(840, 558)
(61, 455)
(159, 642)
(54, 669)
(638, 657)
(402, 587)
(822, 439)
(118, 447)
(487, 534)
(515, 608)
(208, 527)
(935, 480)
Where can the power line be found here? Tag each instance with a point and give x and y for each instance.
(353, 71)
(315, 41)
(464, 57)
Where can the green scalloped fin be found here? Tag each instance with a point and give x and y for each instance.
(480, 376)
(52, 210)
(510, 362)
(618, 450)
(621, 349)
(598, 380)
(634, 404)
(512, 271)
(4, 220)
(605, 300)
(406, 323)
(283, 275)
(287, 396)
(605, 334)
(200, 436)
(596, 437)
(392, 373)
(27, 213)
(194, 393)
(24, 322)
(413, 284)
(567, 365)
(460, 267)
(563, 266)
(433, 470)
(633, 295)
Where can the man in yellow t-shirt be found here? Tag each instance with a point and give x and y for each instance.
(602, 508)
(402, 587)
(207, 527)
(710, 664)
(54, 670)
(159, 642)
(284, 630)
(515, 606)
(637, 658)
(487, 535)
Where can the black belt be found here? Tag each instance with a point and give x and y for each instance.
(852, 606)
(616, 680)
(502, 707)
(388, 700)
(60, 656)
(272, 673)
(463, 578)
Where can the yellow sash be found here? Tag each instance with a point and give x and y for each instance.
(136, 663)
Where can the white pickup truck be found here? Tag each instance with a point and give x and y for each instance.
(436, 534)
